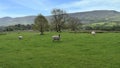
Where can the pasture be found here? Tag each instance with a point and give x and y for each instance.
(80, 50)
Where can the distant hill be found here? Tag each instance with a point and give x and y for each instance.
(18, 20)
(85, 17)
(97, 16)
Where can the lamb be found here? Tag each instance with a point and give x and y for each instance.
(20, 37)
(56, 37)
(93, 33)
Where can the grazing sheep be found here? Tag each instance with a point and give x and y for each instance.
(93, 33)
(20, 37)
(56, 37)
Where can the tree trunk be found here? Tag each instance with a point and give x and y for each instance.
(59, 28)
(41, 31)
(56, 28)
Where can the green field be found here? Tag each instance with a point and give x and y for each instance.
(80, 50)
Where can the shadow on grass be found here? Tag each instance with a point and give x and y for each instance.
(57, 41)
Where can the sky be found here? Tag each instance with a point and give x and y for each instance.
(18, 8)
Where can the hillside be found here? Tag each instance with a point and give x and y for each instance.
(85, 17)
(18, 20)
(97, 16)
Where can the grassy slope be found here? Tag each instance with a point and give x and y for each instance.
(73, 51)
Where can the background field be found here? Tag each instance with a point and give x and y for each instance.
(80, 50)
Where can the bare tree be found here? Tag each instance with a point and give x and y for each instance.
(73, 23)
(58, 19)
(40, 23)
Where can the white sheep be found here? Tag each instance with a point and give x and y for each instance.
(56, 37)
(20, 37)
(93, 33)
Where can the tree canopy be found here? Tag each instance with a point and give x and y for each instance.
(40, 23)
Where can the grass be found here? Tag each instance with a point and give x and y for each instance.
(80, 50)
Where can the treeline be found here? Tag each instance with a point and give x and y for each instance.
(17, 27)
(104, 27)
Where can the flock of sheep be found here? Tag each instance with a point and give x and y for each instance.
(56, 37)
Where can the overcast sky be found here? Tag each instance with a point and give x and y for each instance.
(17, 8)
